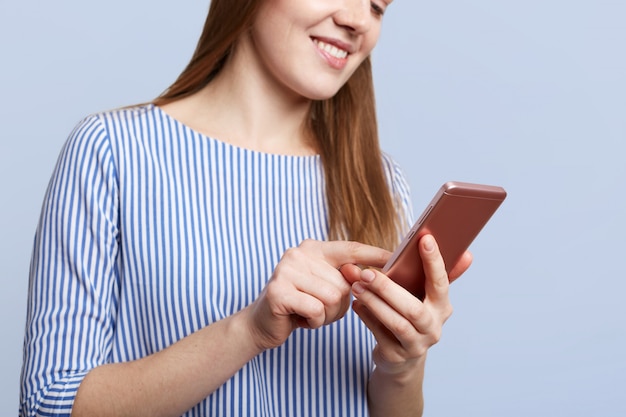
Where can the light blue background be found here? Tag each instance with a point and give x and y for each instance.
(530, 95)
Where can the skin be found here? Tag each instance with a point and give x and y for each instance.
(404, 327)
(260, 101)
(173, 380)
(285, 52)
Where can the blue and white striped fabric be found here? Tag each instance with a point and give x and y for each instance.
(150, 231)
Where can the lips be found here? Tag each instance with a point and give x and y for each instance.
(332, 50)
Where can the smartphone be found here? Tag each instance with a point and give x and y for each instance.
(454, 217)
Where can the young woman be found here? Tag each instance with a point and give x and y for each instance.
(198, 255)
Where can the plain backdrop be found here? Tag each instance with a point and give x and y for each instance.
(529, 95)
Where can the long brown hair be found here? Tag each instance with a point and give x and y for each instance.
(361, 205)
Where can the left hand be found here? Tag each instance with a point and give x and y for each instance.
(404, 327)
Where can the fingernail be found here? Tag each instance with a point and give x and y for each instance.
(358, 288)
(368, 275)
(429, 243)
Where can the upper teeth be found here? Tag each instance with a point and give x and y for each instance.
(332, 50)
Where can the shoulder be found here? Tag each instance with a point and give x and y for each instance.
(98, 137)
(103, 121)
(130, 117)
(115, 126)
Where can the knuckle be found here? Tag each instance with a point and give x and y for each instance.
(441, 276)
(415, 314)
(294, 256)
(435, 336)
(317, 309)
(333, 296)
(273, 290)
(316, 315)
(353, 246)
(308, 244)
(281, 272)
(278, 270)
(402, 328)
(291, 253)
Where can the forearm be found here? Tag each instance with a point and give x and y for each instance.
(397, 395)
(169, 382)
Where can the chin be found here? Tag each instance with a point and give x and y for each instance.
(321, 94)
(316, 85)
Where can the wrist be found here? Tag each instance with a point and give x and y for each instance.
(242, 324)
(402, 373)
(397, 391)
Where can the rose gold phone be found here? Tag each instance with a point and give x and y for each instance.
(454, 217)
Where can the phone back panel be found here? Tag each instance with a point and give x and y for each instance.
(454, 217)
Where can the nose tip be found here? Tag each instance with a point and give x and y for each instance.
(355, 15)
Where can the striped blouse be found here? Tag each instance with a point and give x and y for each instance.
(149, 231)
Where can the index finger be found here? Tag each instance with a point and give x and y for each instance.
(461, 266)
(339, 253)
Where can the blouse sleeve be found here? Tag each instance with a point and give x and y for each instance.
(74, 275)
(400, 191)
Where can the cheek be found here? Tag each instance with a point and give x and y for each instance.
(371, 40)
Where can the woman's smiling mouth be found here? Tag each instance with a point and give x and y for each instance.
(331, 49)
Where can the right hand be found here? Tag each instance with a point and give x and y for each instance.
(307, 290)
